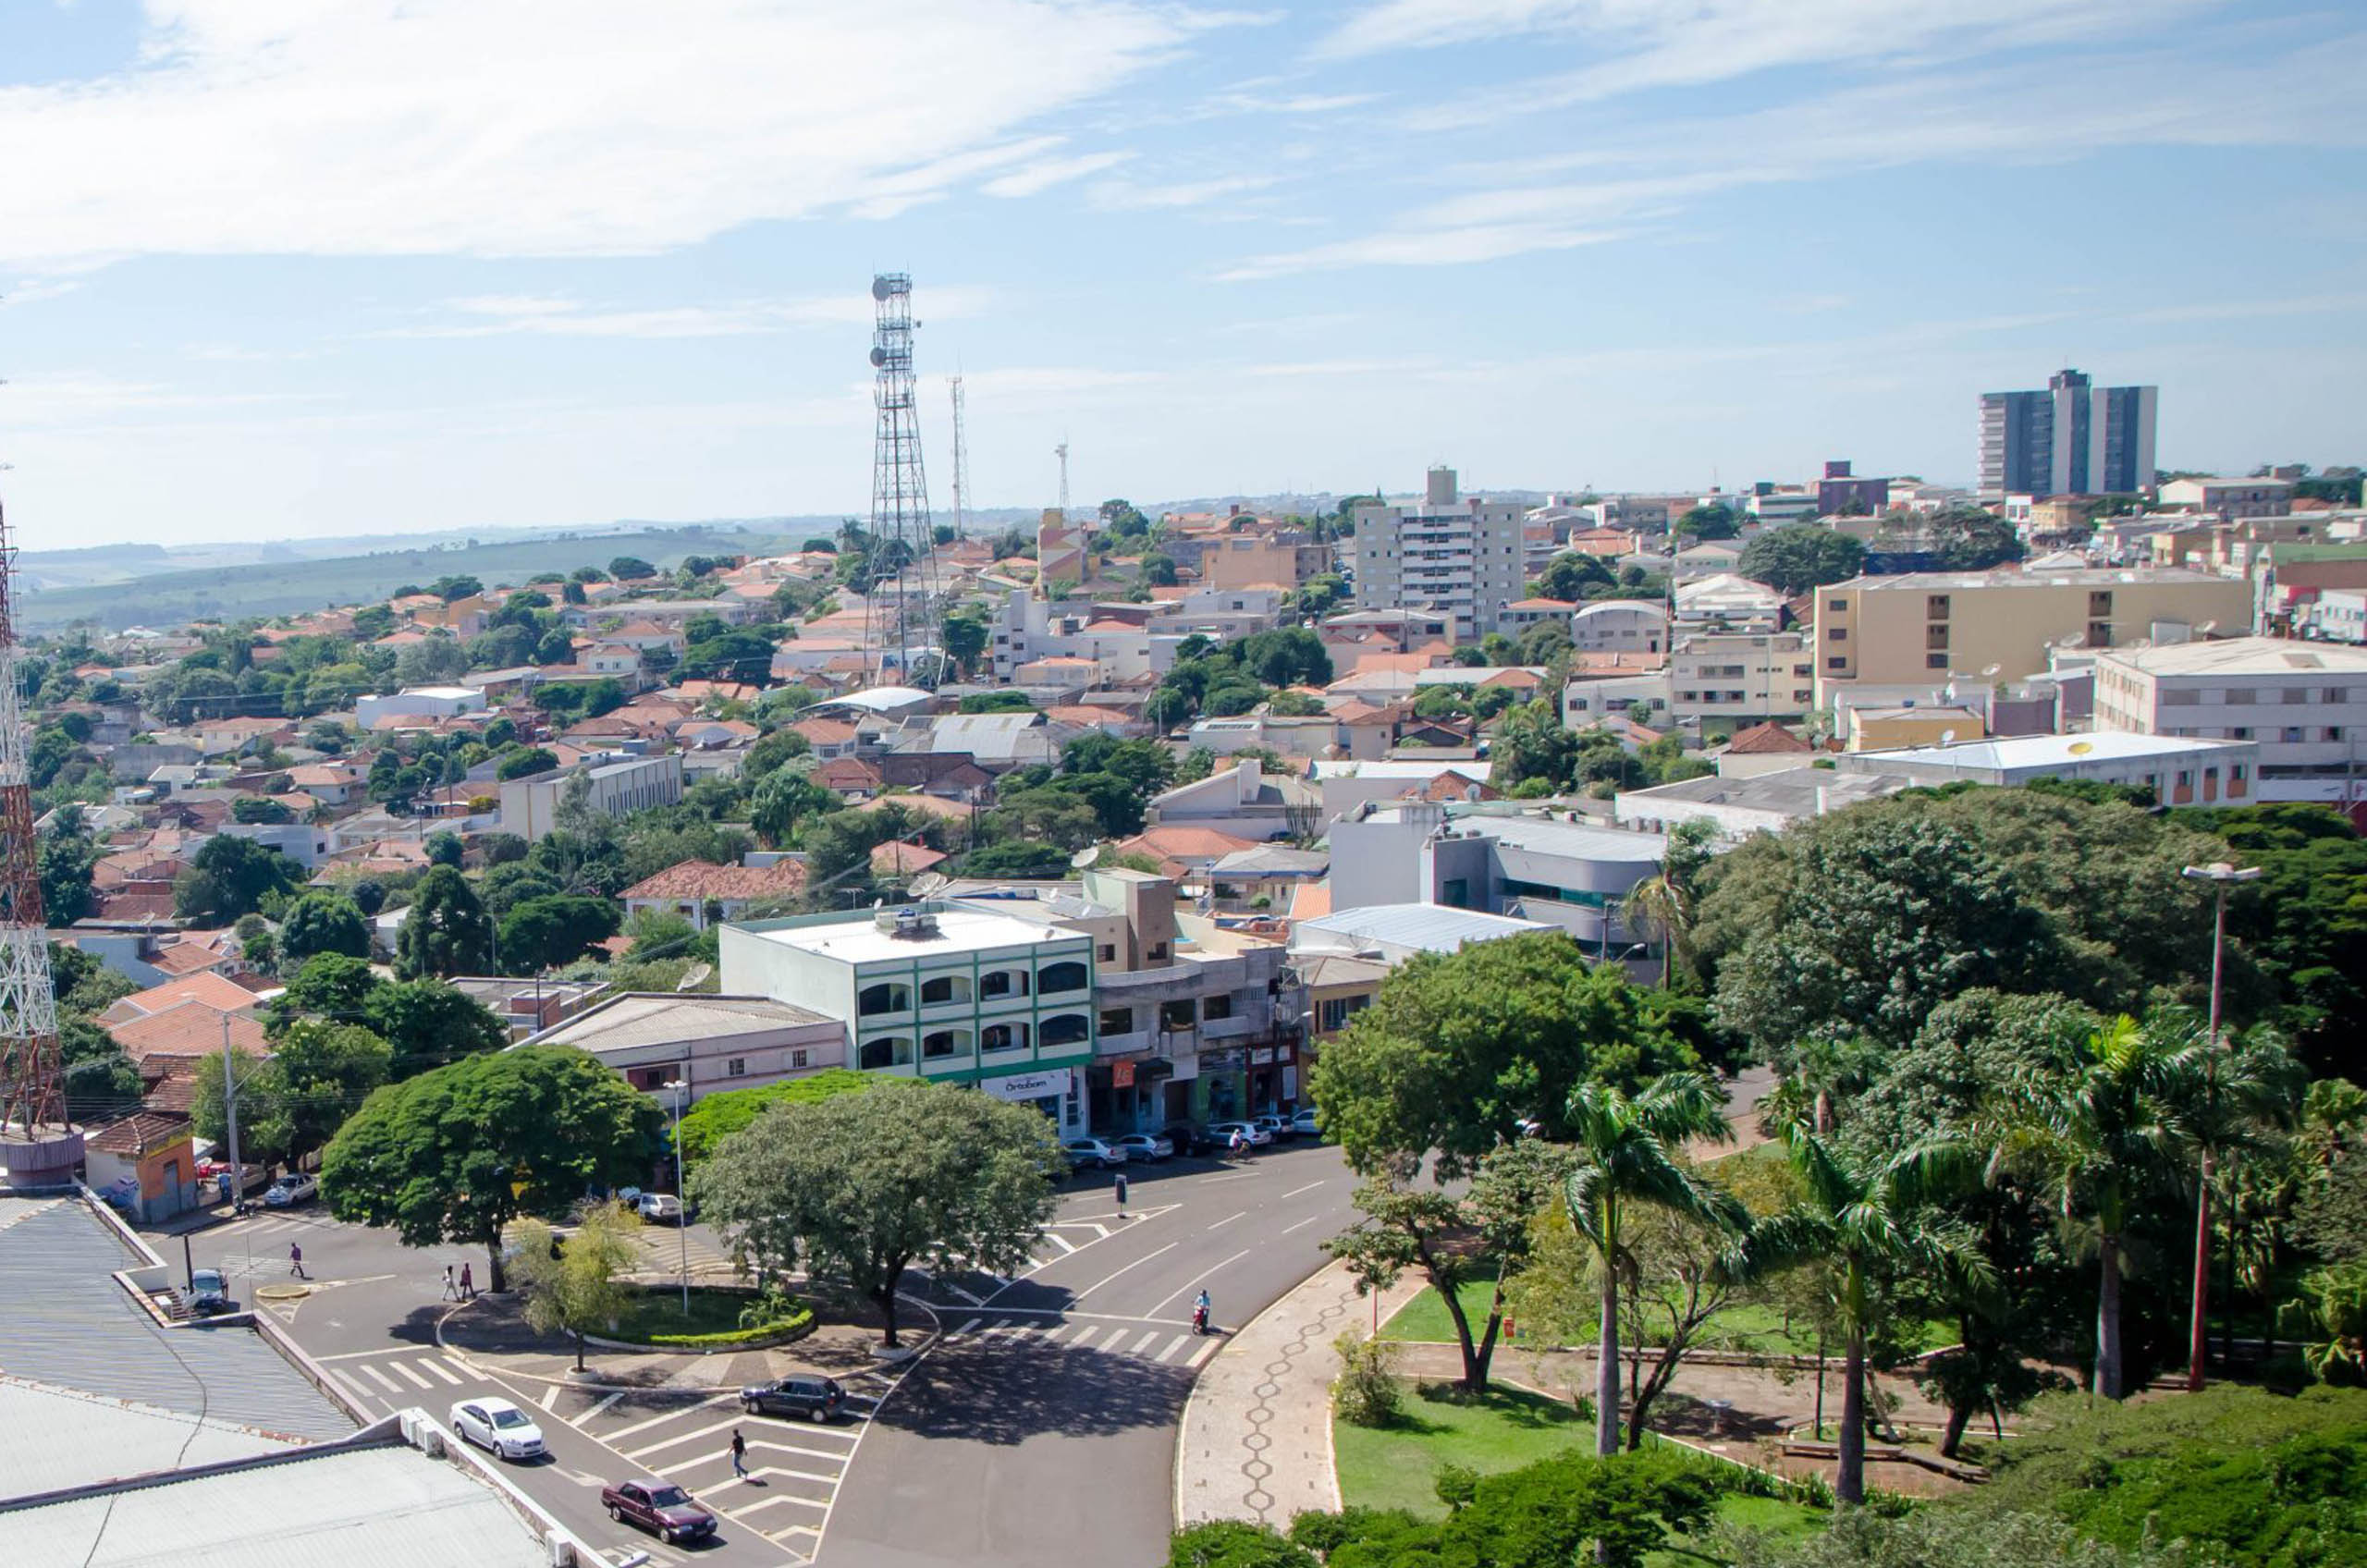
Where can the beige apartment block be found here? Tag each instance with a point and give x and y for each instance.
(1919, 628)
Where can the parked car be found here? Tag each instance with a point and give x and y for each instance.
(1145, 1146)
(293, 1188)
(1303, 1123)
(1188, 1139)
(1083, 1152)
(209, 1293)
(817, 1399)
(1274, 1127)
(662, 1508)
(498, 1427)
(1221, 1133)
(662, 1209)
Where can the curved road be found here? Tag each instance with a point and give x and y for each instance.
(1040, 1431)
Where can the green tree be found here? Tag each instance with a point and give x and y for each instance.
(545, 933)
(67, 853)
(443, 848)
(332, 986)
(231, 876)
(456, 1154)
(631, 569)
(785, 799)
(1158, 571)
(323, 921)
(318, 1074)
(965, 638)
(446, 931)
(1866, 1217)
(715, 1117)
(1714, 520)
(428, 1023)
(1459, 1050)
(1660, 906)
(1630, 1155)
(1568, 576)
(1800, 556)
(864, 1187)
(260, 809)
(579, 1290)
(524, 763)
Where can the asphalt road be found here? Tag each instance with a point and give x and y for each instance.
(1039, 1430)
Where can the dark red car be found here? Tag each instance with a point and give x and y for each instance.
(662, 1508)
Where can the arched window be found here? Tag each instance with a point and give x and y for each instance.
(886, 1050)
(883, 997)
(945, 1043)
(1004, 1037)
(1068, 1029)
(1054, 978)
(939, 989)
(1002, 982)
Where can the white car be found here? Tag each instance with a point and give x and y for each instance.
(498, 1427)
(290, 1189)
(661, 1208)
(1253, 1136)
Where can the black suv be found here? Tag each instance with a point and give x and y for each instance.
(817, 1399)
(1187, 1138)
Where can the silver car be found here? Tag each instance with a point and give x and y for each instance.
(1146, 1147)
(498, 1427)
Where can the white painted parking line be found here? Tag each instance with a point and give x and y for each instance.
(1141, 1344)
(1173, 1346)
(956, 1289)
(680, 1410)
(413, 1379)
(966, 1328)
(1085, 1335)
(777, 1500)
(605, 1403)
(1226, 1220)
(1202, 1354)
(550, 1397)
(675, 1442)
(1128, 1268)
(348, 1384)
(792, 1447)
(380, 1378)
(797, 1474)
(1059, 1241)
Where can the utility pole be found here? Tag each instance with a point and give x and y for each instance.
(231, 1115)
(2221, 876)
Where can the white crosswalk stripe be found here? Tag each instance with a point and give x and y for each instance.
(413, 1379)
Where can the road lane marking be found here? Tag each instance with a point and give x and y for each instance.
(601, 1407)
(974, 1301)
(1209, 1273)
(1086, 1336)
(1300, 1226)
(645, 1453)
(413, 1379)
(612, 1438)
(1177, 1343)
(1142, 1343)
(1128, 1268)
(550, 1397)
(779, 1498)
(348, 1384)
(1226, 1220)
(1309, 1188)
(389, 1383)
(792, 1447)
(967, 1326)
(442, 1371)
(1202, 1354)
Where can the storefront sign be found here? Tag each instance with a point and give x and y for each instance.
(1225, 1062)
(1263, 1055)
(1028, 1086)
(1121, 1075)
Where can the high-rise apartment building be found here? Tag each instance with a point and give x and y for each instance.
(2073, 439)
(1460, 557)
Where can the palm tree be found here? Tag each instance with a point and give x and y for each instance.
(1628, 1153)
(2102, 1135)
(1867, 1218)
(1660, 906)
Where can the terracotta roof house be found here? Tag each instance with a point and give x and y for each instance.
(695, 886)
(191, 1029)
(1452, 786)
(216, 991)
(848, 776)
(899, 859)
(1766, 740)
(1184, 852)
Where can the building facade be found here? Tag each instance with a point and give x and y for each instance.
(1462, 557)
(2073, 439)
(1742, 677)
(2303, 703)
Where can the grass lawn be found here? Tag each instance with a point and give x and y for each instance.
(1425, 1317)
(1747, 1327)
(660, 1312)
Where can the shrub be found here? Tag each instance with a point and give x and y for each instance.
(1367, 1392)
(796, 1323)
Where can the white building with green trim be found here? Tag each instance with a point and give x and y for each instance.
(939, 992)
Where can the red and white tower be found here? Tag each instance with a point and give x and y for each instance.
(38, 1146)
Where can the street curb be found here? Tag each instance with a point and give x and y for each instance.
(1191, 1400)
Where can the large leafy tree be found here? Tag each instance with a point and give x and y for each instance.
(785, 799)
(1630, 1157)
(453, 1155)
(67, 853)
(446, 931)
(231, 876)
(1867, 1217)
(324, 922)
(578, 1290)
(1460, 1050)
(545, 933)
(864, 1186)
(1801, 557)
(429, 1024)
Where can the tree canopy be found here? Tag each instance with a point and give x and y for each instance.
(1793, 558)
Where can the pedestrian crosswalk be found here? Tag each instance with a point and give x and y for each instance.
(398, 1378)
(1137, 1338)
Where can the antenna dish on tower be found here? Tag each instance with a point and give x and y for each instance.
(1084, 857)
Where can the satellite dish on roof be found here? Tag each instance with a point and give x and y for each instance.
(2082, 748)
(1084, 857)
(1948, 736)
(928, 882)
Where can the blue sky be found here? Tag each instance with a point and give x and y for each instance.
(295, 267)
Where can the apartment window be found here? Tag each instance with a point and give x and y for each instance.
(2293, 734)
(1837, 635)
(941, 988)
(1065, 1029)
(2238, 772)
(1109, 952)
(2186, 778)
(1178, 1014)
(1803, 670)
(2293, 695)
(1333, 1012)
(2181, 699)
(2100, 605)
(1117, 1021)
(797, 1056)
(2099, 634)
(887, 1050)
(1935, 636)
(2334, 732)
(2334, 694)
(1217, 1007)
(2241, 732)
(1836, 664)
(1057, 977)
(1002, 982)
(945, 1043)
(2242, 697)
(883, 998)
(1935, 661)
(1004, 1037)
(1936, 606)
(736, 1067)
(1838, 606)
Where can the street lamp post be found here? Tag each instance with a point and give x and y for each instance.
(677, 1092)
(2222, 877)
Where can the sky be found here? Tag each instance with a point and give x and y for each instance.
(290, 268)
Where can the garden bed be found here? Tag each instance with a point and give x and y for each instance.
(655, 1320)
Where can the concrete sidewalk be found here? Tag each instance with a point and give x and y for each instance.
(1256, 1441)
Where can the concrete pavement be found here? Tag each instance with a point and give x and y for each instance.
(1256, 1441)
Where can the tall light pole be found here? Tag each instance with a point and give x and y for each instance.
(2222, 877)
(679, 1091)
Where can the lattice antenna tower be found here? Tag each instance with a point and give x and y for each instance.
(39, 1141)
(1062, 452)
(961, 464)
(898, 623)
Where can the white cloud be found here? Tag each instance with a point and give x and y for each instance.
(1123, 196)
(1045, 173)
(28, 290)
(508, 316)
(497, 128)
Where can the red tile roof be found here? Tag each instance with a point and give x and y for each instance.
(1766, 740)
(704, 879)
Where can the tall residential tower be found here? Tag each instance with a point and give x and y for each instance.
(2072, 439)
(1456, 555)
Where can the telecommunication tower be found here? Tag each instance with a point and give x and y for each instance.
(961, 464)
(897, 626)
(38, 1146)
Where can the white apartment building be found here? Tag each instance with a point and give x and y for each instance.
(530, 807)
(1461, 557)
(2304, 703)
(417, 702)
(2230, 497)
(1620, 626)
(1742, 677)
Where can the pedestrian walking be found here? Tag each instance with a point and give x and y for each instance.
(1121, 1185)
(468, 1285)
(739, 1454)
(296, 1260)
(452, 1286)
